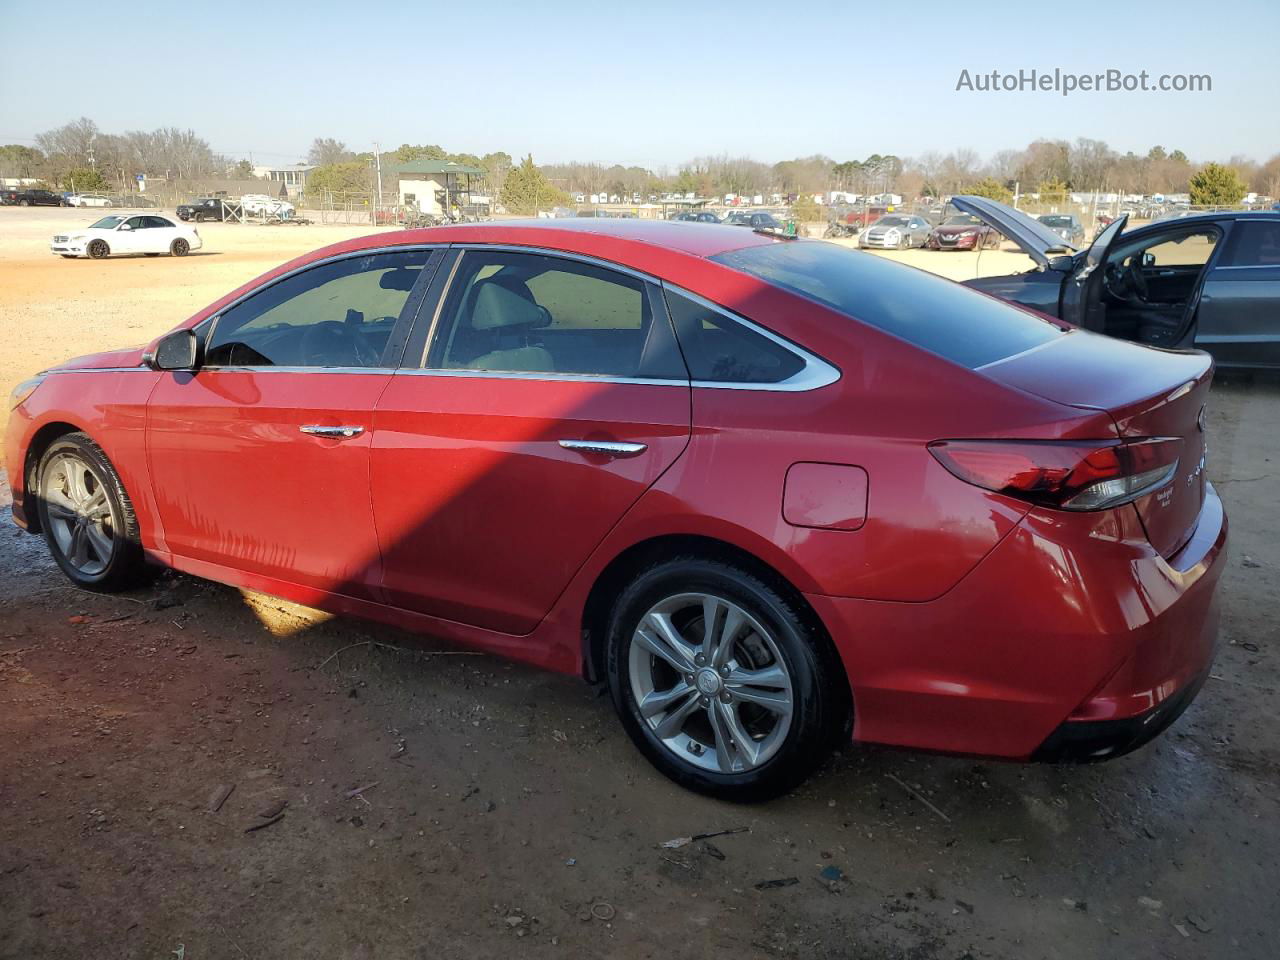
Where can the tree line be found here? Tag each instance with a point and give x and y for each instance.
(80, 154)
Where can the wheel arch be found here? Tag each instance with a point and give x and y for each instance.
(40, 441)
(617, 573)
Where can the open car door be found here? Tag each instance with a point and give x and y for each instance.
(1082, 292)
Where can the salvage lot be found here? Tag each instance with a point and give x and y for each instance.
(502, 806)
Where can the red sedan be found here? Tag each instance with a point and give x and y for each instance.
(773, 492)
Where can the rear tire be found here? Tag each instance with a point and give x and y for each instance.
(87, 517)
(179, 248)
(751, 712)
(98, 249)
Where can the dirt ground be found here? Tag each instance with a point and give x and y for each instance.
(417, 801)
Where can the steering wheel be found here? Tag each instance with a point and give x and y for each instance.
(1126, 282)
(333, 344)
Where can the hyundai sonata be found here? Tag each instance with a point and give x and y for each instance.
(774, 493)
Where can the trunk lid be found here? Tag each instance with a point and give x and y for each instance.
(1036, 240)
(1147, 392)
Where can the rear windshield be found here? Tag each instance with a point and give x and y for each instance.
(939, 315)
(1056, 221)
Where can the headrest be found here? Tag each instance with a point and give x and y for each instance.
(498, 306)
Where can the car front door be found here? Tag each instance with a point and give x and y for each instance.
(550, 395)
(1082, 290)
(260, 459)
(130, 236)
(1239, 317)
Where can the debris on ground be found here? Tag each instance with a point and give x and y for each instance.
(603, 910)
(775, 884)
(1199, 923)
(263, 824)
(219, 796)
(835, 873)
(1151, 904)
(919, 796)
(277, 807)
(679, 842)
(352, 794)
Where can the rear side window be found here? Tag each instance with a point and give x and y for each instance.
(532, 313)
(719, 349)
(938, 315)
(1255, 243)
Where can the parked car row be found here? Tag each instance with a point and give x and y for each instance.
(30, 197)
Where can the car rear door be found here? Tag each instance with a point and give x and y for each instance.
(260, 459)
(160, 234)
(1239, 316)
(546, 397)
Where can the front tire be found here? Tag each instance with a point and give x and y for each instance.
(179, 248)
(98, 249)
(742, 711)
(87, 517)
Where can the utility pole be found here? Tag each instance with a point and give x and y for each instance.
(377, 159)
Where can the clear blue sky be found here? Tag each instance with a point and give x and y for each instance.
(651, 83)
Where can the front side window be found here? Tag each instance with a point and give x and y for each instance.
(138, 223)
(533, 313)
(338, 314)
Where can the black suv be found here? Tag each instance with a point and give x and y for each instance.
(32, 198)
(206, 208)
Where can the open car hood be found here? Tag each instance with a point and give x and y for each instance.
(1036, 240)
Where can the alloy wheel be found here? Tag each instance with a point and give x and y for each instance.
(81, 520)
(710, 682)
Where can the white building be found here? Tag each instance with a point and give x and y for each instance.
(437, 186)
(292, 175)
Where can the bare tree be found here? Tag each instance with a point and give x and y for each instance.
(327, 150)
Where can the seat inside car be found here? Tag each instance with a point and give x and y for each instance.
(503, 314)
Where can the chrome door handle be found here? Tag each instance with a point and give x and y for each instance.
(338, 433)
(605, 448)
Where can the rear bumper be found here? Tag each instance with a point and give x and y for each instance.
(1072, 621)
(1088, 741)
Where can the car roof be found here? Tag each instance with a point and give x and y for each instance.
(680, 236)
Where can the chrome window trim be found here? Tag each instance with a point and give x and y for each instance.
(434, 325)
(537, 375)
(815, 374)
(1249, 266)
(561, 254)
(292, 369)
(214, 317)
(349, 255)
(141, 368)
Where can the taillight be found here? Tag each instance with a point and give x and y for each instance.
(1066, 474)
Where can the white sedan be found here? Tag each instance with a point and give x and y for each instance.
(121, 233)
(88, 200)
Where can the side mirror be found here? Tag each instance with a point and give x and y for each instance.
(125, 226)
(174, 351)
(1148, 259)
